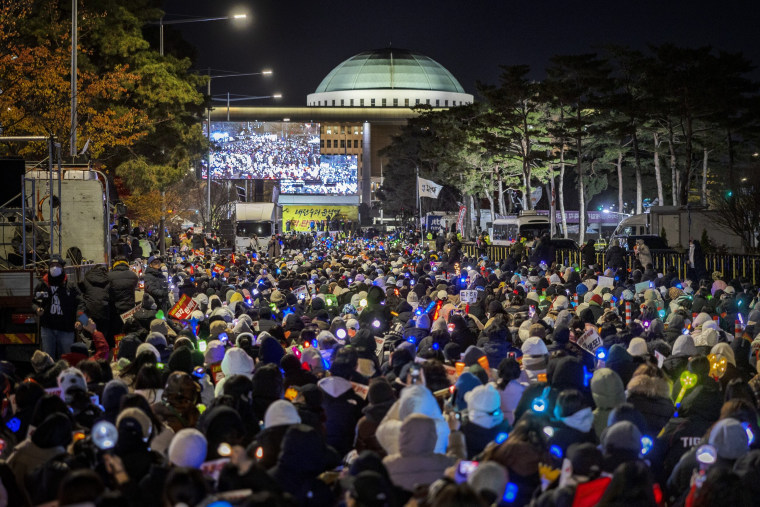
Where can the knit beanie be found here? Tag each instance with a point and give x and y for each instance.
(41, 361)
(188, 448)
(380, 391)
(729, 438)
(237, 362)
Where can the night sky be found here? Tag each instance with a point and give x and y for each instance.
(301, 41)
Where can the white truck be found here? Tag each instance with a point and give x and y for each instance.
(527, 224)
(680, 224)
(254, 220)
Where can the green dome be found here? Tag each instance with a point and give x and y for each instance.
(389, 68)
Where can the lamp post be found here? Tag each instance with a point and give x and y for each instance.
(161, 23)
(208, 124)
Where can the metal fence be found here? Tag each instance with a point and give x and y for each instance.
(732, 266)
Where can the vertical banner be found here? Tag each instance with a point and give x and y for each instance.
(460, 219)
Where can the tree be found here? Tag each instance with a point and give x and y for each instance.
(739, 210)
(578, 83)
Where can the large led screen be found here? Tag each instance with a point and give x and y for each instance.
(265, 150)
(337, 176)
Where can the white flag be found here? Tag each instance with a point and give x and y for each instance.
(427, 188)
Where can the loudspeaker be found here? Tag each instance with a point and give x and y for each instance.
(11, 171)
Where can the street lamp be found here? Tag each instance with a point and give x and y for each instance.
(266, 72)
(161, 24)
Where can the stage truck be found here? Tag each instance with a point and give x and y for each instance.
(511, 228)
(679, 224)
(254, 223)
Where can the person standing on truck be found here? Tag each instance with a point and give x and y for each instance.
(273, 247)
(616, 256)
(57, 304)
(643, 254)
(96, 292)
(697, 270)
(156, 284)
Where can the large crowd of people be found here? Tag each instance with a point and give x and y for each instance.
(266, 156)
(380, 372)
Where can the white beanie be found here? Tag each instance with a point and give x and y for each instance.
(280, 413)
(188, 448)
(534, 346)
(560, 303)
(701, 319)
(638, 347)
(483, 406)
(237, 362)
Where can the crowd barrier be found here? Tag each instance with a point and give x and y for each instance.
(730, 265)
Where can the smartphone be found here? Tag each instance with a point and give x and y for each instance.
(464, 469)
(223, 337)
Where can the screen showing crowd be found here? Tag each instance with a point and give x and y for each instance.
(337, 175)
(265, 150)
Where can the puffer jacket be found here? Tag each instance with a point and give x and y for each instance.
(416, 461)
(650, 396)
(343, 410)
(96, 294)
(157, 287)
(122, 289)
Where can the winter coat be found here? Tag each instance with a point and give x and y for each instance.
(302, 458)
(27, 456)
(343, 410)
(576, 428)
(414, 399)
(157, 287)
(477, 437)
(651, 397)
(608, 392)
(521, 460)
(123, 283)
(273, 248)
(367, 427)
(643, 253)
(616, 257)
(416, 461)
(61, 302)
(588, 254)
(96, 294)
(510, 397)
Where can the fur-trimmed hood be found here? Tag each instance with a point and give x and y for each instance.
(651, 387)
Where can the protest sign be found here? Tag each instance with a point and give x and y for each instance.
(129, 313)
(184, 307)
(468, 296)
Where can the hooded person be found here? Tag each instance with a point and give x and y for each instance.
(414, 399)
(296, 373)
(677, 361)
(649, 392)
(416, 460)
(48, 441)
(236, 362)
(730, 441)
(279, 417)
(608, 392)
(485, 420)
(572, 421)
(509, 388)
(726, 371)
(341, 404)
(417, 329)
(270, 350)
(303, 457)
(535, 359)
(381, 398)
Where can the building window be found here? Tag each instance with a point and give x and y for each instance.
(437, 102)
(427, 101)
(446, 103)
(342, 129)
(352, 102)
(395, 102)
(372, 102)
(333, 102)
(406, 102)
(329, 130)
(343, 143)
(356, 143)
(321, 143)
(361, 102)
(417, 102)
(385, 102)
(361, 143)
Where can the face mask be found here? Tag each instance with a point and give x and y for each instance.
(56, 271)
